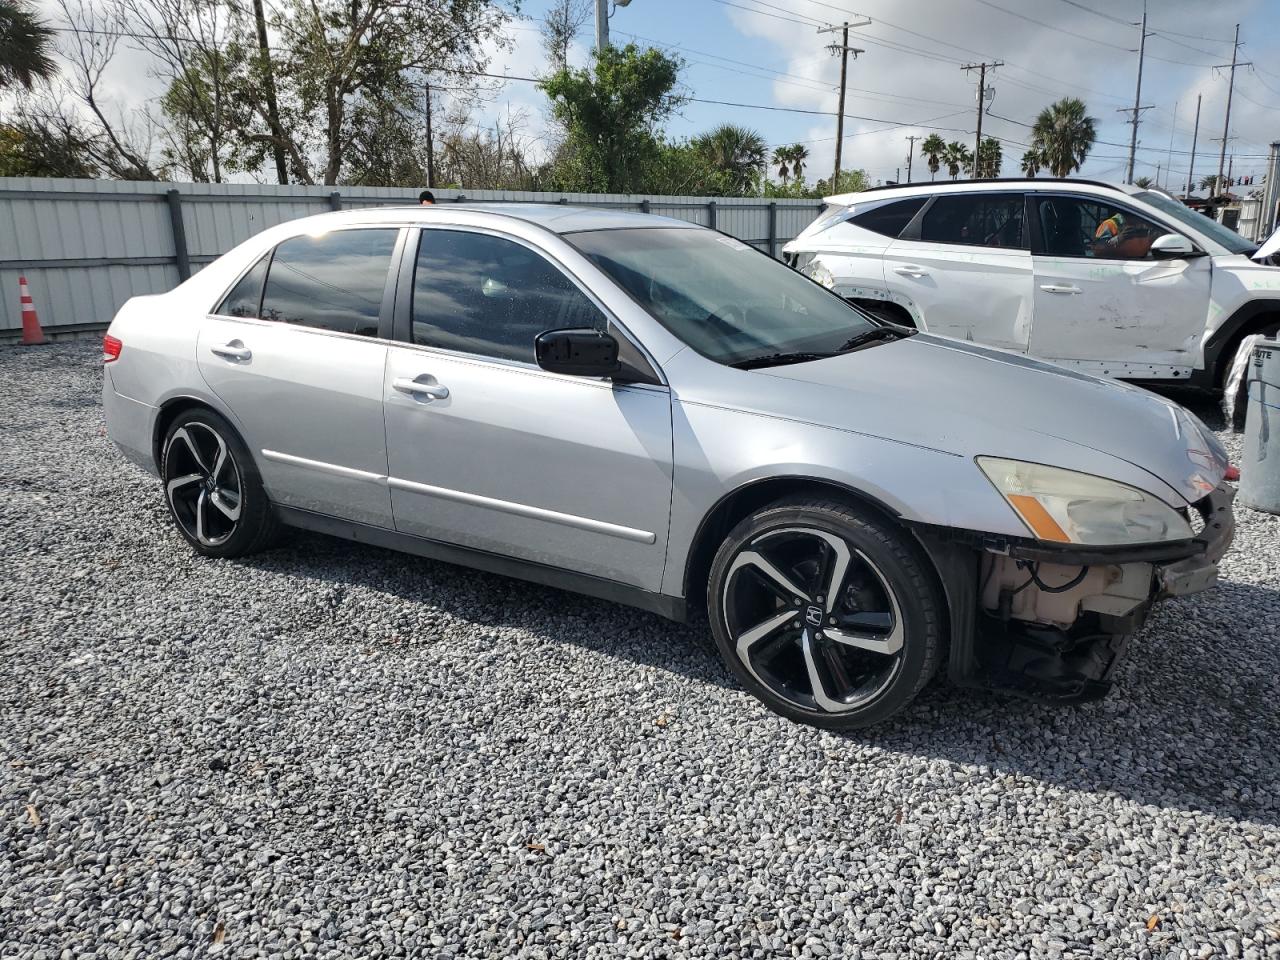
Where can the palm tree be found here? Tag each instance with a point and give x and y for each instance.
(1031, 161)
(790, 161)
(782, 160)
(1063, 134)
(1142, 182)
(1210, 183)
(956, 157)
(990, 159)
(736, 153)
(26, 47)
(932, 149)
(799, 155)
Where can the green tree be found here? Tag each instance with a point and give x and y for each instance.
(990, 159)
(932, 149)
(611, 114)
(737, 155)
(851, 181)
(1031, 162)
(33, 149)
(1063, 135)
(956, 157)
(1143, 182)
(26, 47)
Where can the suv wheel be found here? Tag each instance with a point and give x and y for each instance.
(213, 489)
(827, 615)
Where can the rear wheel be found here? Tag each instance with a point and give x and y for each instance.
(825, 613)
(213, 489)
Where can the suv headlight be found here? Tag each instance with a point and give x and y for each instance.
(818, 271)
(1068, 507)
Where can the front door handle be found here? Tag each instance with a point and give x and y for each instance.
(235, 350)
(911, 270)
(424, 388)
(1059, 288)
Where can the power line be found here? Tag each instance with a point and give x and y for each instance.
(1050, 26)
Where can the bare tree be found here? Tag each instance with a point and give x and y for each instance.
(560, 27)
(121, 143)
(198, 48)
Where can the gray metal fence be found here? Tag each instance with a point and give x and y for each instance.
(86, 246)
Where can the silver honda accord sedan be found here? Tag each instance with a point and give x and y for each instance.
(645, 410)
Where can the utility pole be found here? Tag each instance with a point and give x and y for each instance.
(1136, 111)
(1271, 191)
(1231, 84)
(431, 142)
(1195, 135)
(602, 25)
(911, 148)
(602, 22)
(844, 50)
(982, 69)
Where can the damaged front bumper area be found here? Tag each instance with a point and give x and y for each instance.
(1052, 622)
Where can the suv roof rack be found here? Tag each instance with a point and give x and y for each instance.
(1010, 180)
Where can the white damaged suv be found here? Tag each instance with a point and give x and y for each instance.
(1110, 280)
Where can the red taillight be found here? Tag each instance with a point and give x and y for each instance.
(111, 348)
(1233, 472)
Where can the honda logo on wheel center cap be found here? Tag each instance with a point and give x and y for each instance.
(813, 616)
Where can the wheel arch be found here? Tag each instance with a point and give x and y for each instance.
(1220, 348)
(730, 509)
(173, 407)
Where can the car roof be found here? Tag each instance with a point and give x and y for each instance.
(930, 187)
(556, 217)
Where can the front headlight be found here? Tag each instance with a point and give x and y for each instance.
(818, 271)
(1069, 507)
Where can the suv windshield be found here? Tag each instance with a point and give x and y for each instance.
(1198, 221)
(729, 302)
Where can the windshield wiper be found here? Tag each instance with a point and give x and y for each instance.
(778, 359)
(874, 335)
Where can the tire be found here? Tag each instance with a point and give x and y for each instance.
(872, 646)
(213, 489)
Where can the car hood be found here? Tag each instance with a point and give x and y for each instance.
(971, 400)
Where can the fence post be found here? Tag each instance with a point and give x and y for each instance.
(773, 228)
(335, 201)
(644, 205)
(180, 252)
(711, 214)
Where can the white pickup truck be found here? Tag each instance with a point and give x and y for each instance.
(1111, 280)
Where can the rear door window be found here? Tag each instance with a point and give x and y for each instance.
(889, 219)
(246, 296)
(975, 219)
(334, 281)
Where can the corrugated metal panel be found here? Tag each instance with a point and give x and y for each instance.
(103, 222)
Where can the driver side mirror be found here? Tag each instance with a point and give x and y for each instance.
(581, 352)
(1172, 246)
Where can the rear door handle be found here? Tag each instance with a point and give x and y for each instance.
(235, 350)
(1059, 288)
(911, 270)
(424, 388)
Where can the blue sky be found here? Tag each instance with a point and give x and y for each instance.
(768, 52)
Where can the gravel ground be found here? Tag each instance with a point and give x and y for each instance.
(336, 751)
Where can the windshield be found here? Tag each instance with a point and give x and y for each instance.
(1198, 221)
(729, 302)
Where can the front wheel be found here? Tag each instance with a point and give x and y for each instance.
(213, 489)
(825, 613)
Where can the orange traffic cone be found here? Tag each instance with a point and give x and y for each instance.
(31, 332)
